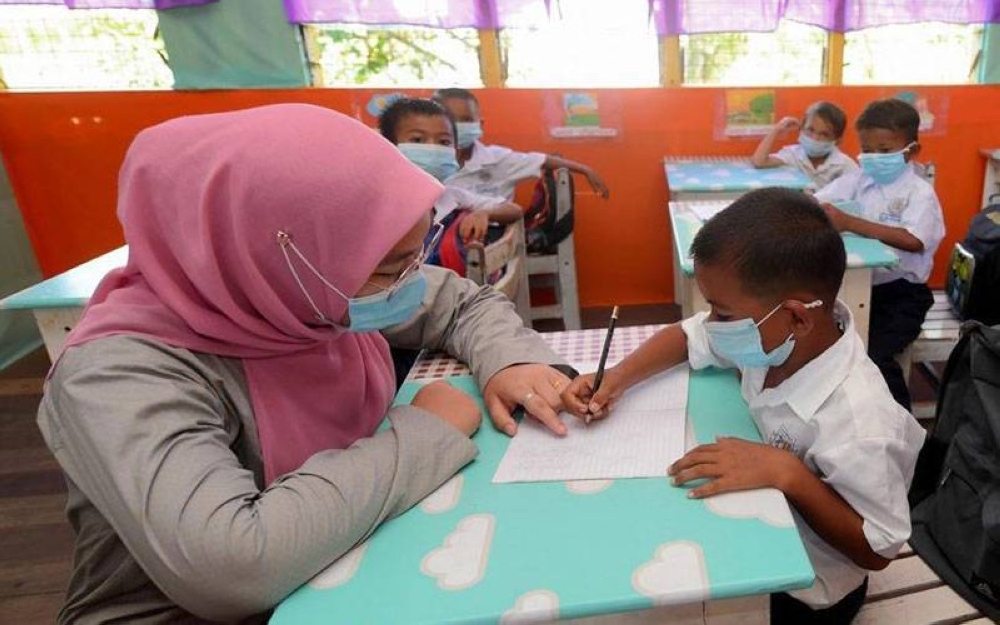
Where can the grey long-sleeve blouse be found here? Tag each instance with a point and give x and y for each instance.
(164, 471)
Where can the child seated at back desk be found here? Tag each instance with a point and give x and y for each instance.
(899, 208)
(492, 169)
(816, 154)
(424, 132)
(835, 443)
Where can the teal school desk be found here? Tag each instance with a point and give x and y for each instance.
(58, 302)
(724, 178)
(480, 552)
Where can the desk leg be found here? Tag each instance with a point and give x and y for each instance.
(55, 324)
(680, 281)
(755, 610)
(856, 292)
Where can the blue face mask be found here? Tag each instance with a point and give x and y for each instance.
(739, 342)
(437, 160)
(468, 133)
(370, 313)
(387, 308)
(884, 168)
(814, 148)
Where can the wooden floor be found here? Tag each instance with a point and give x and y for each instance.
(36, 541)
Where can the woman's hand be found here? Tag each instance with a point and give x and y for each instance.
(535, 387)
(580, 399)
(451, 405)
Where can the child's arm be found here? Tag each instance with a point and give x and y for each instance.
(474, 225)
(663, 350)
(506, 213)
(596, 183)
(733, 465)
(899, 238)
(762, 158)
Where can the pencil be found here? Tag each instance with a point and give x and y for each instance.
(604, 358)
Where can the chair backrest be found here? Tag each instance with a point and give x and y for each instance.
(927, 171)
(549, 219)
(503, 265)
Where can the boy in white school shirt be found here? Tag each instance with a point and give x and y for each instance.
(835, 443)
(899, 208)
(494, 170)
(817, 153)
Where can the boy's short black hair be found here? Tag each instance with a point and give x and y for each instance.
(402, 108)
(831, 114)
(890, 114)
(455, 93)
(778, 241)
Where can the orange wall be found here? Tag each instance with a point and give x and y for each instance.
(62, 152)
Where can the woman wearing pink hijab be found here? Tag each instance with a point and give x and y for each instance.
(215, 411)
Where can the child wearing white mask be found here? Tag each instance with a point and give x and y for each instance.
(834, 441)
(901, 209)
(816, 154)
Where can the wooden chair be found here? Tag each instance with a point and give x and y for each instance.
(558, 270)
(505, 258)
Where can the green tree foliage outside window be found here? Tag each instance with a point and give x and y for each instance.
(388, 57)
(48, 47)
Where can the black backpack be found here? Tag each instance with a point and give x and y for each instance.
(544, 229)
(955, 495)
(973, 281)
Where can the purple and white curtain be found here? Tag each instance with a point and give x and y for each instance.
(671, 17)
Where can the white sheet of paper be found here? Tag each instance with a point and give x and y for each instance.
(643, 435)
(706, 210)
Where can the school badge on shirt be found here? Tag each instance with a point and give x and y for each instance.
(783, 439)
(893, 213)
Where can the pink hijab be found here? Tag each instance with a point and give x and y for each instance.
(202, 198)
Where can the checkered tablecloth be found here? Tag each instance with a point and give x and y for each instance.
(574, 346)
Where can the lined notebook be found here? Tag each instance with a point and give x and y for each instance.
(643, 435)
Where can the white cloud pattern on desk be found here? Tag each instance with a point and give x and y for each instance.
(676, 574)
(588, 487)
(765, 504)
(460, 562)
(444, 498)
(535, 606)
(341, 571)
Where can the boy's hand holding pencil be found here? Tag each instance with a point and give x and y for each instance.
(581, 401)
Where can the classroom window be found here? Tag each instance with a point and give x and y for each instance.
(52, 47)
(347, 55)
(587, 43)
(792, 54)
(925, 54)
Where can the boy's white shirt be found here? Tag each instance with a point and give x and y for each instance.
(837, 415)
(494, 170)
(455, 198)
(908, 202)
(836, 164)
